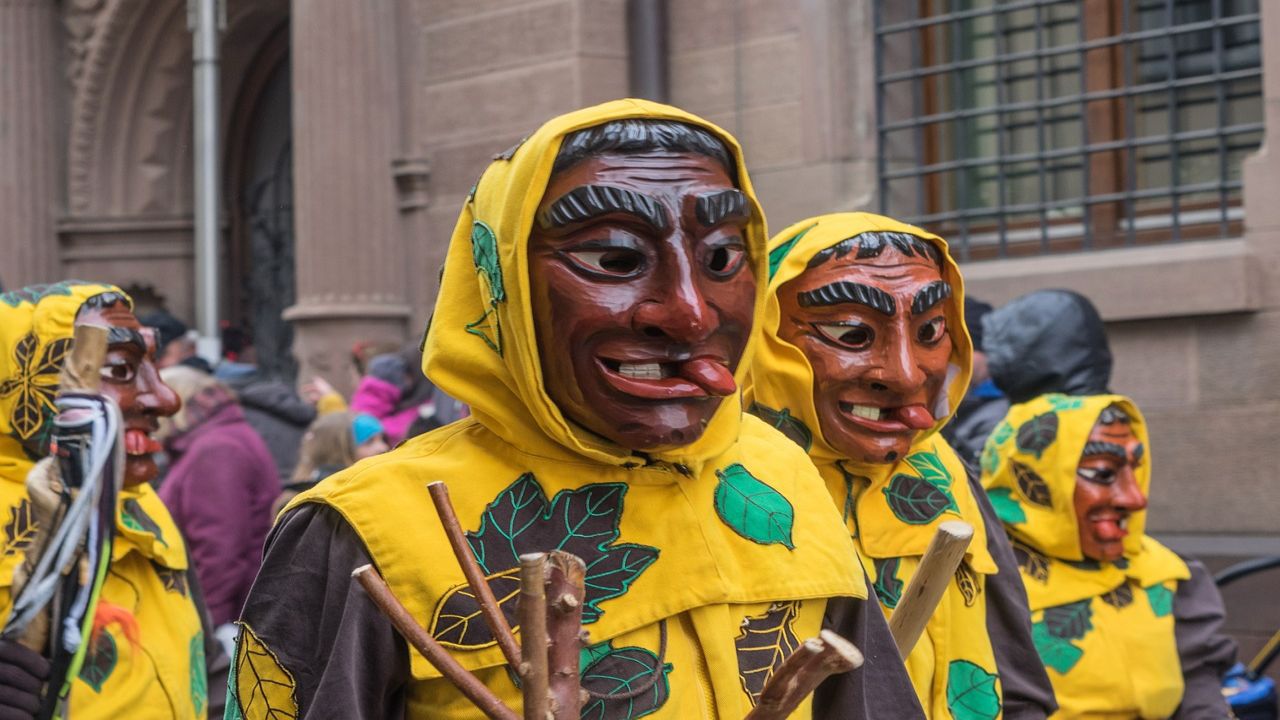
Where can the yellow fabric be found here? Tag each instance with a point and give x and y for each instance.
(329, 403)
(685, 565)
(781, 389)
(1104, 630)
(165, 670)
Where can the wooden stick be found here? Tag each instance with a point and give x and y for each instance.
(533, 635)
(489, 607)
(932, 577)
(80, 371)
(468, 684)
(566, 576)
(802, 672)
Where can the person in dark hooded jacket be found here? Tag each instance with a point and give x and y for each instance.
(984, 405)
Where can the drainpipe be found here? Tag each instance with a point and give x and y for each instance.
(647, 49)
(206, 19)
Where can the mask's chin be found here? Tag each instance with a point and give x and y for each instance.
(139, 469)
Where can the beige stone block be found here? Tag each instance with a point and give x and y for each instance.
(509, 101)
(602, 28)
(600, 80)
(1155, 361)
(520, 36)
(772, 136)
(705, 81)
(706, 23)
(456, 167)
(1238, 358)
(442, 11)
(792, 194)
(771, 70)
(1214, 468)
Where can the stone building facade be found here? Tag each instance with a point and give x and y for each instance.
(353, 130)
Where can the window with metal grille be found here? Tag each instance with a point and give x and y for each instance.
(1019, 127)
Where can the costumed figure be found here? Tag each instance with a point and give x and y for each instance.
(864, 357)
(595, 312)
(148, 649)
(1125, 627)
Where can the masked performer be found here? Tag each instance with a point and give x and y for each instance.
(595, 313)
(864, 357)
(149, 643)
(1125, 627)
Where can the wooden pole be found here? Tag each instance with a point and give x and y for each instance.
(931, 579)
(489, 607)
(802, 672)
(533, 634)
(566, 576)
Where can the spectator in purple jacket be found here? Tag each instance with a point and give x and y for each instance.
(220, 486)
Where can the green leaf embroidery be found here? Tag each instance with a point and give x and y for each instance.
(99, 660)
(1033, 487)
(752, 509)
(887, 585)
(1032, 562)
(592, 653)
(1056, 653)
(1070, 621)
(135, 518)
(1002, 433)
(930, 467)
(1061, 402)
(1007, 508)
(764, 643)
(1161, 599)
(488, 328)
(784, 422)
(20, 531)
(917, 501)
(854, 484)
(35, 293)
(1038, 433)
(620, 672)
(199, 680)
(971, 692)
(484, 252)
(778, 254)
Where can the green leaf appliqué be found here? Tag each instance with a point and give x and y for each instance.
(484, 252)
(1055, 652)
(917, 501)
(1069, 621)
(786, 423)
(135, 518)
(887, 585)
(199, 679)
(1161, 599)
(1007, 508)
(1061, 402)
(1038, 433)
(778, 254)
(606, 671)
(971, 692)
(752, 509)
(1001, 434)
(930, 467)
(99, 660)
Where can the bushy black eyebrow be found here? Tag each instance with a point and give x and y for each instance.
(591, 201)
(840, 293)
(126, 336)
(1101, 447)
(714, 208)
(930, 295)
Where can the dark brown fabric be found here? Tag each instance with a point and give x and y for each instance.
(1205, 652)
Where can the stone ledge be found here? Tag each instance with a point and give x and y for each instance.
(310, 311)
(1194, 278)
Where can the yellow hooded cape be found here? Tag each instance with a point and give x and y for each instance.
(892, 509)
(725, 545)
(153, 654)
(1103, 630)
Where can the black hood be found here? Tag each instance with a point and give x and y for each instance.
(1048, 341)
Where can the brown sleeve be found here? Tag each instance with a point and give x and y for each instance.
(1027, 692)
(878, 689)
(1206, 653)
(346, 659)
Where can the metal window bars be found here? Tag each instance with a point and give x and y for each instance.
(1020, 127)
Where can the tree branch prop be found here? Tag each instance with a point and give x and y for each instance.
(566, 578)
(468, 684)
(476, 580)
(931, 579)
(533, 633)
(802, 672)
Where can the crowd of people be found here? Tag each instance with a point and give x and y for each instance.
(746, 440)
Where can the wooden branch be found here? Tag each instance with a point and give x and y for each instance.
(566, 575)
(533, 635)
(489, 607)
(925, 589)
(468, 684)
(80, 371)
(802, 672)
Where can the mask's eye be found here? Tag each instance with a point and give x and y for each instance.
(121, 371)
(1101, 476)
(853, 335)
(931, 332)
(722, 262)
(608, 262)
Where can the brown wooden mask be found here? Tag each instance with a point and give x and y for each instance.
(1107, 490)
(868, 315)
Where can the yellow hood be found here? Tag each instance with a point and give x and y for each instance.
(36, 325)
(481, 347)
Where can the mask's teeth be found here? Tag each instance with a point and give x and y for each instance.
(642, 371)
(865, 411)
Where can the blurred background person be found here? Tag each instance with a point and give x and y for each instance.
(984, 405)
(333, 442)
(175, 344)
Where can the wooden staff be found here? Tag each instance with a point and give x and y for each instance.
(476, 580)
(566, 578)
(533, 634)
(936, 569)
(802, 672)
(468, 684)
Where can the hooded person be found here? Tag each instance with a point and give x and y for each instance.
(984, 405)
(864, 356)
(149, 647)
(595, 313)
(1125, 627)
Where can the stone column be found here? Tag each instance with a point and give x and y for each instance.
(31, 89)
(350, 256)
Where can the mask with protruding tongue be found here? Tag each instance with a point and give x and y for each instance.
(892, 419)
(140, 442)
(696, 377)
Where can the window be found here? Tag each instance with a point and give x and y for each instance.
(1018, 127)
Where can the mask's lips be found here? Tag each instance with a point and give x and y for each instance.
(698, 377)
(900, 419)
(1109, 525)
(140, 442)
